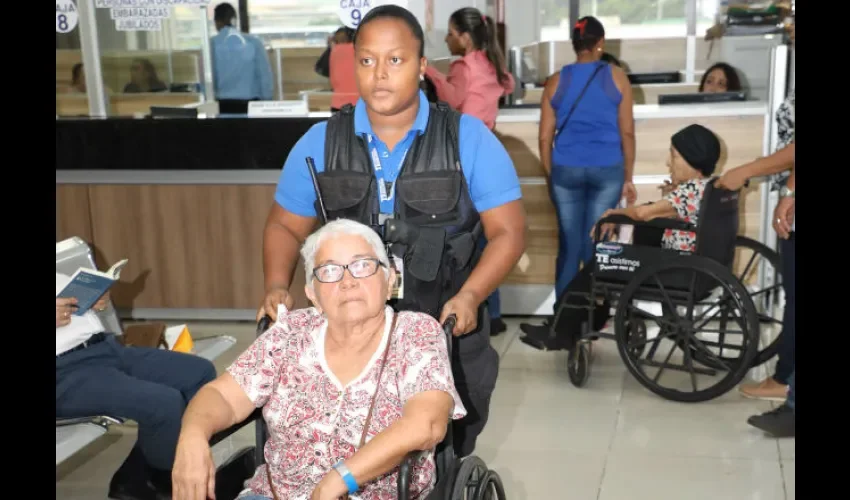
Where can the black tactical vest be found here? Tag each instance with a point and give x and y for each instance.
(435, 228)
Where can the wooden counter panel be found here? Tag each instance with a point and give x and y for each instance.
(740, 137)
(189, 246)
(73, 217)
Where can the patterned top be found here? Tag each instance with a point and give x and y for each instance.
(785, 127)
(314, 422)
(686, 199)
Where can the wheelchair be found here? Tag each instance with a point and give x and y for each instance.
(711, 318)
(465, 478)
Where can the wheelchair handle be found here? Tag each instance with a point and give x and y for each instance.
(449, 324)
(264, 324)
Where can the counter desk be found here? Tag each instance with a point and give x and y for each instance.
(185, 200)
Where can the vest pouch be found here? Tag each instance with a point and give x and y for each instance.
(431, 198)
(344, 193)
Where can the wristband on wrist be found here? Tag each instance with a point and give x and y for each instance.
(343, 471)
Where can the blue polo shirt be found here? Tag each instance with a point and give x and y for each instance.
(489, 171)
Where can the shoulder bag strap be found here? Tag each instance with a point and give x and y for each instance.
(578, 99)
(371, 406)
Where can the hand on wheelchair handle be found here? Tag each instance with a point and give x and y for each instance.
(275, 298)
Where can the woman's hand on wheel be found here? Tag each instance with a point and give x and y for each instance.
(193, 474)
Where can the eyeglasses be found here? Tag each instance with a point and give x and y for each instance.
(360, 268)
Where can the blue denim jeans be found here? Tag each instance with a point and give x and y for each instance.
(580, 195)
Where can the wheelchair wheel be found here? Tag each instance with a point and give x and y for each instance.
(637, 334)
(470, 476)
(491, 487)
(752, 260)
(681, 329)
(578, 364)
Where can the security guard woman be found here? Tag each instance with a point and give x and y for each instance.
(429, 180)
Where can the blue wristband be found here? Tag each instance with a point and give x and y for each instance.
(347, 477)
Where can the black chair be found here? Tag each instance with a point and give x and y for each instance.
(457, 479)
(634, 274)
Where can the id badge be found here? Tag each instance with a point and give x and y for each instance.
(398, 286)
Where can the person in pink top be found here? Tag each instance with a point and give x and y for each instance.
(341, 69)
(473, 86)
(479, 78)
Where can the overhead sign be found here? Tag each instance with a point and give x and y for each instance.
(140, 15)
(66, 16)
(352, 11)
(108, 4)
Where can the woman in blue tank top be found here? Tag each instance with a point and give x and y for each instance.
(587, 145)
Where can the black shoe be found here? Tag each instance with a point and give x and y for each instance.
(779, 422)
(528, 327)
(497, 326)
(537, 336)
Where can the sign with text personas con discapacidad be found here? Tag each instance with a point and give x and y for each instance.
(66, 16)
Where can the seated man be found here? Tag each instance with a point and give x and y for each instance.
(694, 153)
(96, 375)
(348, 387)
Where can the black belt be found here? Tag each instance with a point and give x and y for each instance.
(94, 339)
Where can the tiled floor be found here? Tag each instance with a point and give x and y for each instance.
(610, 440)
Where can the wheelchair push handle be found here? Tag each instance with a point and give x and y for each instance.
(264, 324)
(449, 324)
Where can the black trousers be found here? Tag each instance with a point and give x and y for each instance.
(150, 386)
(787, 340)
(475, 366)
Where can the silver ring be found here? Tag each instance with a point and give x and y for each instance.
(778, 219)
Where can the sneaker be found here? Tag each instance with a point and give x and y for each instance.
(779, 422)
(768, 389)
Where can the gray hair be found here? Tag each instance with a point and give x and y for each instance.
(340, 227)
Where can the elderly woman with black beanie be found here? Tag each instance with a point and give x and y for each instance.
(694, 152)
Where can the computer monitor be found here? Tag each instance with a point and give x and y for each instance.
(660, 77)
(702, 97)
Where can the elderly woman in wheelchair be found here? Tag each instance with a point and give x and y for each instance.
(680, 258)
(349, 388)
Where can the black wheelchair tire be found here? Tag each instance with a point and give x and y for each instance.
(578, 364)
(464, 479)
(491, 481)
(745, 304)
(772, 256)
(772, 349)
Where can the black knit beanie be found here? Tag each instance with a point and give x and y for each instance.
(699, 147)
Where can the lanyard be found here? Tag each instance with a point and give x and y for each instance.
(386, 190)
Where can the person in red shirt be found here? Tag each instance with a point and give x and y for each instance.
(341, 69)
(479, 78)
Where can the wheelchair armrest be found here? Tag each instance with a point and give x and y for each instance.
(100, 420)
(660, 223)
(226, 433)
(405, 470)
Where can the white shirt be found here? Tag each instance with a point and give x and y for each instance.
(80, 328)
